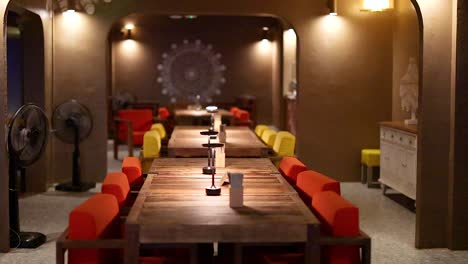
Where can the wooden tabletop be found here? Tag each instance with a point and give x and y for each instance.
(186, 141)
(172, 207)
(199, 113)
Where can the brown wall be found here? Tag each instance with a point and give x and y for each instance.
(344, 89)
(250, 67)
(405, 46)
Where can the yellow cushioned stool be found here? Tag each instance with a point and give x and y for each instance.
(269, 136)
(285, 144)
(259, 129)
(370, 161)
(160, 128)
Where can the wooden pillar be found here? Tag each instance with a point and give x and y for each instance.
(458, 180)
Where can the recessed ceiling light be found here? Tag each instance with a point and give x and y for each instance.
(190, 16)
(266, 28)
(176, 17)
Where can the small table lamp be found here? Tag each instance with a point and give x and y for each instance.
(211, 168)
(212, 110)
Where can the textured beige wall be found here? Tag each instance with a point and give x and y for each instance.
(405, 46)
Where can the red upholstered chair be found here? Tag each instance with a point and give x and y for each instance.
(234, 110)
(130, 126)
(163, 113)
(132, 167)
(94, 234)
(241, 118)
(290, 167)
(340, 238)
(309, 183)
(116, 183)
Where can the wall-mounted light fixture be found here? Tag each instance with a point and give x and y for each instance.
(377, 5)
(333, 7)
(266, 33)
(128, 30)
(70, 8)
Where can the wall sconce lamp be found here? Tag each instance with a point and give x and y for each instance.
(128, 30)
(377, 5)
(70, 8)
(265, 33)
(332, 6)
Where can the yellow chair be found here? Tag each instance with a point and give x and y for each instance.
(151, 149)
(259, 129)
(285, 144)
(370, 161)
(161, 130)
(269, 136)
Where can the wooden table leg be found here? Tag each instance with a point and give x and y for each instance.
(237, 253)
(312, 247)
(132, 250)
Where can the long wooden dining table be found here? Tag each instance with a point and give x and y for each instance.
(173, 209)
(186, 141)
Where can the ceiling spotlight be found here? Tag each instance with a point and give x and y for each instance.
(176, 17)
(129, 26)
(265, 28)
(191, 16)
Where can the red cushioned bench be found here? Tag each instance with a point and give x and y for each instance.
(309, 183)
(290, 167)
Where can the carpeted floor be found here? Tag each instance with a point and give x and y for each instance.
(390, 225)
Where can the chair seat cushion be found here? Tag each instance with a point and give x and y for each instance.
(290, 167)
(370, 157)
(309, 183)
(131, 166)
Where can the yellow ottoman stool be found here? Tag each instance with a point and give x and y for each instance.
(370, 161)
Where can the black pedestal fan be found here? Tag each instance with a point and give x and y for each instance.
(27, 137)
(72, 124)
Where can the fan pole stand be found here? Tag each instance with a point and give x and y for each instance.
(76, 185)
(20, 239)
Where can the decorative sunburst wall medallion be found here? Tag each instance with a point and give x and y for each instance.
(191, 69)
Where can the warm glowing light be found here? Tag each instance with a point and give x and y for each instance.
(266, 28)
(69, 12)
(264, 46)
(129, 46)
(377, 5)
(129, 26)
(290, 38)
(333, 14)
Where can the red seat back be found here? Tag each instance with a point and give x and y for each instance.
(163, 113)
(116, 183)
(94, 219)
(290, 167)
(131, 166)
(234, 110)
(309, 183)
(339, 218)
(141, 120)
(242, 115)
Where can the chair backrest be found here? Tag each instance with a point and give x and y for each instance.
(141, 120)
(259, 129)
(161, 130)
(269, 137)
(242, 115)
(151, 144)
(131, 166)
(164, 113)
(290, 167)
(310, 183)
(338, 218)
(234, 110)
(93, 219)
(285, 144)
(116, 183)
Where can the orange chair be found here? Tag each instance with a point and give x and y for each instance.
(234, 110)
(341, 238)
(163, 113)
(132, 167)
(93, 235)
(290, 167)
(116, 183)
(242, 118)
(130, 127)
(309, 183)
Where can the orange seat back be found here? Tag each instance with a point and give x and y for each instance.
(234, 110)
(94, 219)
(290, 167)
(163, 113)
(338, 218)
(116, 183)
(309, 183)
(131, 166)
(242, 115)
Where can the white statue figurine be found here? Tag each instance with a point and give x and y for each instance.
(409, 91)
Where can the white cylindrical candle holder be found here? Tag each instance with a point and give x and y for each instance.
(236, 197)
